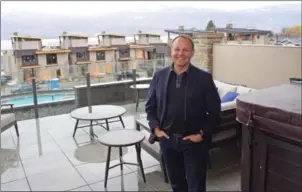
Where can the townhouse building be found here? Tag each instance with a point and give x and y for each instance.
(74, 56)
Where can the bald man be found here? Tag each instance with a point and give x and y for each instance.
(183, 108)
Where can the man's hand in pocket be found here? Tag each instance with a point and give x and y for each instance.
(160, 133)
(196, 138)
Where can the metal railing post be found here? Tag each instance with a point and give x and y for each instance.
(134, 78)
(88, 92)
(35, 93)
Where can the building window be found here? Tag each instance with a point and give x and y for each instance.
(51, 59)
(124, 53)
(81, 55)
(100, 55)
(28, 58)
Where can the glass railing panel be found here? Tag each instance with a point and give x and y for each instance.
(18, 90)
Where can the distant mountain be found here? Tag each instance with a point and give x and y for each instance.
(48, 26)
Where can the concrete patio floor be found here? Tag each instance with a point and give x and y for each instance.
(47, 158)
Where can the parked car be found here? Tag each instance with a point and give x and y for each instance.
(123, 75)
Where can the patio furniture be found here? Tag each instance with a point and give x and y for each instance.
(138, 88)
(9, 119)
(98, 113)
(271, 138)
(122, 138)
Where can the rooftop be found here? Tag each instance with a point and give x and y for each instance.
(73, 35)
(46, 149)
(110, 35)
(26, 37)
(243, 31)
(148, 34)
(183, 31)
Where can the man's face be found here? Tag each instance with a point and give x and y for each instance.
(181, 51)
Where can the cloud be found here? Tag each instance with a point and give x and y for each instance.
(107, 7)
(139, 18)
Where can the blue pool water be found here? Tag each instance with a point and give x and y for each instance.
(29, 100)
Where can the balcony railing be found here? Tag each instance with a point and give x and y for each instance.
(68, 76)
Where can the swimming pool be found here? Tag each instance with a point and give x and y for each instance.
(45, 98)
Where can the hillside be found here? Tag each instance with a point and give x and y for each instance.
(270, 18)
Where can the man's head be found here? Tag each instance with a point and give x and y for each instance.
(182, 50)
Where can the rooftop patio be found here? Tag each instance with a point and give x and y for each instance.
(46, 149)
(46, 157)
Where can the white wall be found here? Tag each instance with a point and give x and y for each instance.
(256, 66)
(79, 42)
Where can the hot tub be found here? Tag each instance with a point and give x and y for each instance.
(271, 139)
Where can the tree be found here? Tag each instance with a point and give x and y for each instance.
(270, 34)
(210, 25)
(295, 31)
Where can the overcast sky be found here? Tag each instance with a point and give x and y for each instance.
(105, 7)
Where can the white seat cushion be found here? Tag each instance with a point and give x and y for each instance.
(7, 119)
(242, 90)
(224, 88)
(228, 105)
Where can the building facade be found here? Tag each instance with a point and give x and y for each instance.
(74, 56)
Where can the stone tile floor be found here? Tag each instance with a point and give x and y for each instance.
(47, 158)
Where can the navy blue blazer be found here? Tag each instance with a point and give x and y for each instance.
(202, 102)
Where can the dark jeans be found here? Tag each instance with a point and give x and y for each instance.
(186, 163)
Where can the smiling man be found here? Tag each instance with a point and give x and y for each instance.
(183, 108)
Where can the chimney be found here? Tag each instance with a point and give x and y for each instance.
(139, 31)
(229, 26)
(64, 32)
(15, 33)
(103, 32)
(181, 28)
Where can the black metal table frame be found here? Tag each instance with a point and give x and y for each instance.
(137, 99)
(122, 162)
(97, 123)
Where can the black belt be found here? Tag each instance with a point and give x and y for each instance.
(179, 135)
